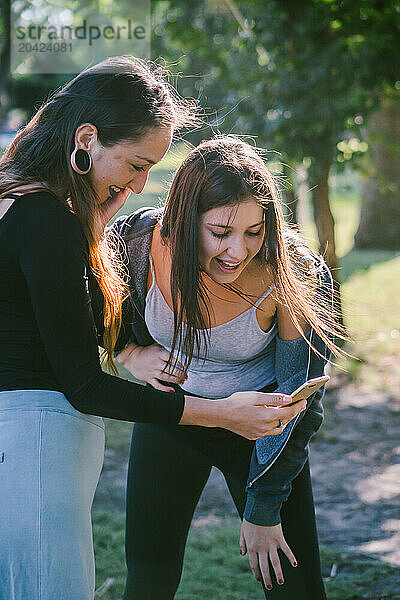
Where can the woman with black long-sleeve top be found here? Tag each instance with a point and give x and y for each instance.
(63, 177)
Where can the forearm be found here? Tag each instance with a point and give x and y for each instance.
(244, 413)
(199, 411)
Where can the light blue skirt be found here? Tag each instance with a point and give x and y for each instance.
(51, 457)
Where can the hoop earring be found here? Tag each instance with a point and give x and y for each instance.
(81, 161)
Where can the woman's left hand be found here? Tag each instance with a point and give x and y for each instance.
(262, 543)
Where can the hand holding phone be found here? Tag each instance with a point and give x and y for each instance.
(308, 388)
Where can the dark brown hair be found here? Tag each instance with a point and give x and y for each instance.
(124, 98)
(225, 171)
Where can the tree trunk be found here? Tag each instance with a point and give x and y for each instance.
(324, 219)
(380, 212)
(325, 225)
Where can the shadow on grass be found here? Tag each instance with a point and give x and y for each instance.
(213, 568)
(357, 495)
(357, 261)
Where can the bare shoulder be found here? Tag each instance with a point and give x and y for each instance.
(288, 329)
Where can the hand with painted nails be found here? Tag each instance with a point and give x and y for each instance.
(150, 364)
(261, 545)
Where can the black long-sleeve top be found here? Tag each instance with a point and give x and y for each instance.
(47, 330)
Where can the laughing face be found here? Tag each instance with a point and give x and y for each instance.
(229, 238)
(125, 164)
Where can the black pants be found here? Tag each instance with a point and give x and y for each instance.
(169, 467)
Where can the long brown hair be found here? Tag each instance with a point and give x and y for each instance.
(224, 171)
(124, 98)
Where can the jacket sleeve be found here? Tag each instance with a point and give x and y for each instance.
(265, 497)
(277, 460)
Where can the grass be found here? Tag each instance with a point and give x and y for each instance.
(371, 302)
(372, 305)
(214, 570)
(109, 540)
(118, 435)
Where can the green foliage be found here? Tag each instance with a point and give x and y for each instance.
(300, 75)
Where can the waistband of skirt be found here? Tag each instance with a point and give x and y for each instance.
(33, 400)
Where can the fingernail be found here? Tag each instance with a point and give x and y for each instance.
(295, 564)
(269, 587)
(280, 581)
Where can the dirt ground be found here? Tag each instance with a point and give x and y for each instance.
(355, 464)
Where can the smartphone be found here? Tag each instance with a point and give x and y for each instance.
(308, 388)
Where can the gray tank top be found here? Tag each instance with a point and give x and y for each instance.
(240, 355)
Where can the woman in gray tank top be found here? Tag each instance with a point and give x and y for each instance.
(233, 300)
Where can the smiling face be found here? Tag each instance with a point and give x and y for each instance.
(229, 238)
(126, 164)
